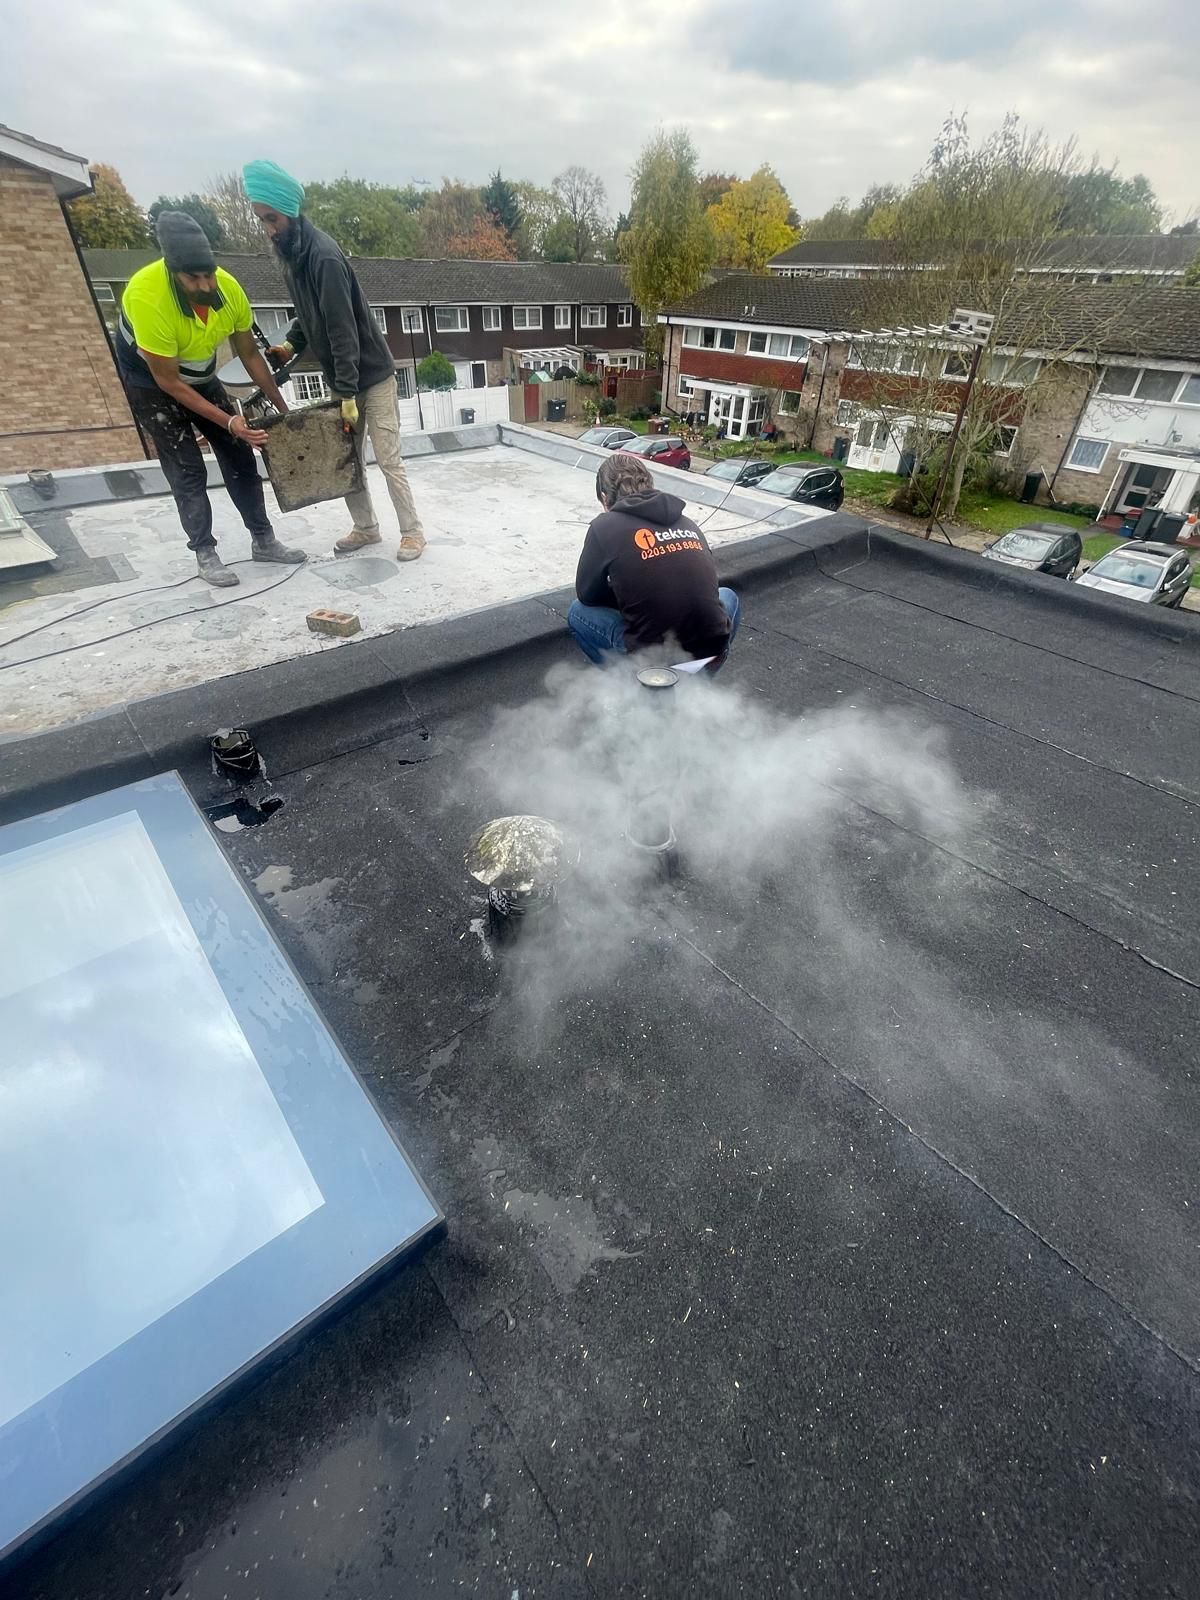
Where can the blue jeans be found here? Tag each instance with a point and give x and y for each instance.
(598, 629)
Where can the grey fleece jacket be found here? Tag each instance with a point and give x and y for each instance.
(333, 318)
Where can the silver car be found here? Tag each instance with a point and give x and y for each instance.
(1156, 574)
(608, 438)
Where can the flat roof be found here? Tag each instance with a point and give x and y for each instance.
(823, 1220)
(123, 615)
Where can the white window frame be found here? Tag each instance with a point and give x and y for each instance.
(790, 354)
(406, 386)
(411, 319)
(1002, 428)
(442, 322)
(593, 316)
(1188, 377)
(493, 319)
(310, 387)
(1080, 466)
(104, 293)
(522, 318)
(380, 315)
(847, 414)
(722, 339)
(625, 316)
(685, 387)
(1149, 400)
(784, 409)
(1013, 377)
(956, 377)
(562, 316)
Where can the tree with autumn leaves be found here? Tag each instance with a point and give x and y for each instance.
(750, 222)
(109, 218)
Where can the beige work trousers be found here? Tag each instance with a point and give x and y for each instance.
(379, 421)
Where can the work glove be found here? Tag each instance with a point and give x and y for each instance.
(350, 412)
(280, 353)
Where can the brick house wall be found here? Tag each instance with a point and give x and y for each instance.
(61, 403)
(1048, 428)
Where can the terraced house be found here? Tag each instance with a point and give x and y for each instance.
(1096, 389)
(492, 319)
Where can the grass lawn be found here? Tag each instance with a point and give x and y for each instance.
(998, 516)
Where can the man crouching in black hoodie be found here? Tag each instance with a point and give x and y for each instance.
(646, 575)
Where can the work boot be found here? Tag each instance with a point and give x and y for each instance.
(213, 570)
(270, 549)
(411, 546)
(356, 539)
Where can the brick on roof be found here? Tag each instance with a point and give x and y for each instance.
(1107, 319)
(1133, 252)
(393, 281)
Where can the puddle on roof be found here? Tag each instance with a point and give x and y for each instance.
(568, 1236)
(299, 900)
(358, 572)
(231, 816)
(442, 1056)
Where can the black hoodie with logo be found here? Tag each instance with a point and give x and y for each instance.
(648, 561)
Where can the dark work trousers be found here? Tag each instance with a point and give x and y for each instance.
(173, 429)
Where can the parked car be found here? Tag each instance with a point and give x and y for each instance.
(607, 438)
(813, 486)
(663, 449)
(1157, 574)
(1039, 547)
(743, 470)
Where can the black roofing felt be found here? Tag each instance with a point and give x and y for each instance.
(776, 1264)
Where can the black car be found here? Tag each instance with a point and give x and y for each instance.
(813, 486)
(1039, 547)
(744, 470)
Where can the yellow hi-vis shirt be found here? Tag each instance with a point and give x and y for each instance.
(155, 317)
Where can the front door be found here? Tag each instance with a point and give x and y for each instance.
(1144, 486)
(718, 411)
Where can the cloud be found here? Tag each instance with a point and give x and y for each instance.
(171, 95)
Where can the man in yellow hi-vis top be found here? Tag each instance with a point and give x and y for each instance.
(175, 314)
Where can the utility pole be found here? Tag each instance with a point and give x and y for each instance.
(974, 327)
(412, 345)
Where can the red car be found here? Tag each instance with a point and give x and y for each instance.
(660, 450)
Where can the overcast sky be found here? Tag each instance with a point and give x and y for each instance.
(834, 97)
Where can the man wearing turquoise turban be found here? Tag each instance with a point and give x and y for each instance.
(334, 321)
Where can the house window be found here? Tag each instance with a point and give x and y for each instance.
(309, 386)
(686, 389)
(847, 414)
(404, 382)
(1118, 380)
(958, 366)
(1012, 370)
(1189, 395)
(1155, 384)
(593, 316)
(624, 316)
(562, 316)
(527, 317)
(411, 319)
(1003, 441)
(103, 293)
(380, 316)
(1088, 454)
(711, 338)
(778, 344)
(451, 319)
(273, 319)
(493, 319)
(789, 402)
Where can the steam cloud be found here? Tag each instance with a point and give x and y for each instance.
(763, 806)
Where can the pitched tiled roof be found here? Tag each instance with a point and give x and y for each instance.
(1108, 319)
(1132, 252)
(390, 281)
